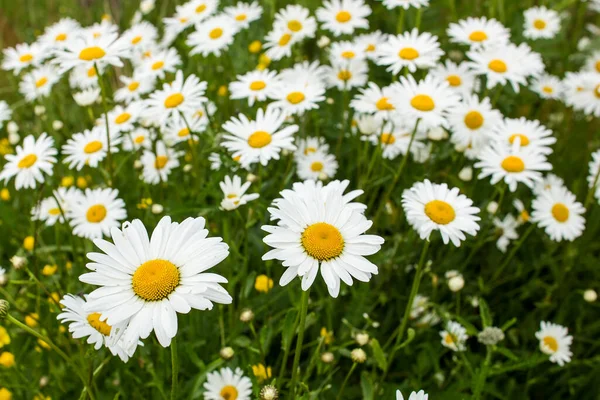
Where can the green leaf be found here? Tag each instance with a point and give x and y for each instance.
(484, 311)
(378, 354)
(367, 386)
(289, 326)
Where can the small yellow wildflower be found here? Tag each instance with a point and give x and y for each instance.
(222, 91)
(5, 394)
(7, 359)
(67, 181)
(4, 338)
(32, 319)
(5, 194)
(263, 283)
(49, 270)
(43, 344)
(326, 335)
(28, 243)
(260, 372)
(255, 47)
(81, 182)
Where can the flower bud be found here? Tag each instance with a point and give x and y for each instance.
(247, 315)
(4, 307)
(269, 392)
(327, 357)
(57, 125)
(490, 336)
(157, 209)
(14, 138)
(466, 174)
(590, 295)
(362, 338)
(227, 353)
(358, 356)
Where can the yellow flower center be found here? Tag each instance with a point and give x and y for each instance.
(41, 82)
(101, 326)
(513, 164)
(139, 139)
(160, 162)
(384, 105)
(295, 97)
(560, 212)
(61, 37)
(498, 66)
(539, 24)
(478, 36)
(155, 280)
(258, 85)
(240, 17)
(316, 166)
(200, 8)
(27, 161)
(454, 80)
(133, 86)
(295, 25)
(54, 211)
(344, 75)
(91, 53)
(229, 392)
(216, 33)
(440, 212)
(309, 150)
(370, 48)
(322, 241)
(259, 139)
(136, 40)
(547, 89)
(96, 213)
(524, 139)
(174, 100)
(122, 118)
(474, 120)
(387, 138)
(597, 66)
(183, 132)
(550, 343)
(408, 53)
(597, 91)
(343, 16)
(422, 102)
(348, 54)
(26, 58)
(157, 65)
(285, 39)
(92, 147)
(449, 340)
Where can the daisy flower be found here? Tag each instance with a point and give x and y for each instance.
(369, 43)
(548, 182)
(454, 336)
(212, 36)
(559, 213)
(140, 36)
(342, 17)
(200, 10)
(234, 193)
(297, 21)
(532, 133)
(38, 83)
(178, 130)
(431, 206)
(87, 97)
(158, 165)
(160, 62)
(56, 35)
(345, 52)
(394, 139)
(133, 87)
(96, 212)
(310, 145)
(22, 56)
(255, 86)
(547, 87)
(181, 20)
(260, 140)
(506, 231)
(149, 279)
(244, 13)
(411, 50)
(227, 384)
(541, 23)
(514, 164)
(87, 324)
(100, 29)
(523, 216)
(593, 177)
(375, 100)
(460, 78)
(318, 230)
(84, 77)
(89, 147)
(306, 73)
(592, 62)
(478, 32)
(179, 96)
(49, 210)
(421, 395)
(88, 50)
(5, 112)
(555, 341)
(215, 161)
(298, 97)
(316, 166)
(345, 76)
(278, 44)
(31, 160)
(121, 119)
(137, 139)
(582, 92)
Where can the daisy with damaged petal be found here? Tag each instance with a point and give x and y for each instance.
(343, 17)
(96, 212)
(214, 35)
(478, 32)
(89, 147)
(50, 211)
(260, 140)
(227, 384)
(555, 341)
(244, 13)
(531, 134)
(318, 230)
(148, 280)
(547, 87)
(297, 21)
(514, 164)
(5, 112)
(347, 75)
(411, 50)
(317, 165)
(181, 96)
(297, 97)
(454, 336)
(133, 87)
(460, 78)
(559, 213)
(421, 395)
(541, 23)
(375, 100)
(434, 207)
(395, 139)
(255, 86)
(157, 165)
(506, 231)
(87, 324)
(159, 63)
(87, 50)
(22, 56)
(234, 193)
(30, 161)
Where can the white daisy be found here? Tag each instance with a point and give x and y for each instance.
(181, 130)
(31, 160)
(454, 336)
(214, 35)
(50, 211)
(306, 73)
(541, 23)
(345, 52)
(255, 86)
(310, 145)
(347, 75)
(38, 83)
(56, 35)
(137, 139)
(421, 395)
(478, 32)
(547, 87)
(149, 279)
(391, 4)
(244, 13)
(532, 133)
(592, 62)
(96, 212)
(394, 139)
(411, 50)
(297, 21)
(298, 97)
(215, 161)
(87, 97)
(200, 10)
(89, 147)
(234, 193)
(133, 87)
(593, 177)
(122, 118)
(140, 36)
(460, 78)
(278, 44)
(559, 213)
(375, 100)
(582, 92)
(548, 182)
(181, 20)
(369, 43)
(84, 77)
(227, 384)
(431, 206)
(157, 165)
(160, 62)
(5, 112)
(555, 341)
(22, 56)
(317, 165)
(89, 50)
(506, 230)
(342, 17)
(100, 29)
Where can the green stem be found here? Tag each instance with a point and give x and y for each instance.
(108, 153)
(513, 252)
(480, 378)
(303, 312)
(339, 396)
(400, 23)
(174, 369)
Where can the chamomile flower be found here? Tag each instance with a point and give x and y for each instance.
(310, 145)
(316, 166)
(345, 52)
(214, 35)
(506, 231)
(347, 75)
(460, 78)
(22, 56)
(160, 62)
(56, 35)
(260, 140)
(180, 130)
(122, 118)
(96, 212)
(215, 161)
(84, 77)
(149, 279)
(255, 86)
(523, 216)
(559, 213)
(541, 23)
(531, 132)
(278, 44)
(227, 384)
(87, 324)
(421, 395)
(343, 17)
(234, 193)
(454, 336)
(548, 182)
(140, 37)
(369, 43)
(592, 62)
(298, 97)
(478, 32)
(318, 230)
(31, 161)
(181, 20)
(593, 177)
(200, 10)
(133, 87)
(88, 50)
(178, 97)
(50, 211)
(411, 50)
(375, 100)
(555, 341)
(87, 97)
(157, 165)
(547, 87)
(137, 139)
(89, 147)
(582, 92)
(431, 206)
(394, 139)
(513, 164)
(5, 112)
(297, 21)
(306, 73)
(100, 29)
(38, 83)
(244, 13)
